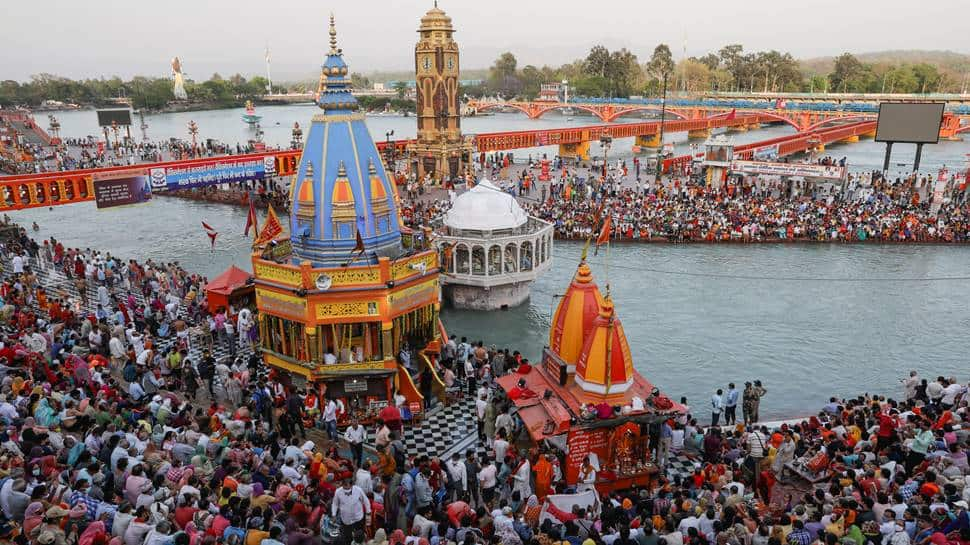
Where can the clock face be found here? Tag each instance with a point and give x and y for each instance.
(451, 64)
(323, 282)
(427, 63)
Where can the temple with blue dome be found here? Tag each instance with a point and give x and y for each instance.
(341, 188)
(349, 303)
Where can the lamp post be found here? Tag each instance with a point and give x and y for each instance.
(114, 129)
(605, 141)
(55, 130)
(389, 150)
(663, 118)
(193, 132)
(297, 136)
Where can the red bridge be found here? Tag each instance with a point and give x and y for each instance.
(57, 188)
(801, 120)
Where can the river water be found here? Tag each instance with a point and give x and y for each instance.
(808, 320)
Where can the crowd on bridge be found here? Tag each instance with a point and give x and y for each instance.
(90, 152)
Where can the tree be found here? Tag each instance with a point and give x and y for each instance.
(733, 61)
(401, 87)
(696, 75)
(501, 76)
(598, 61)
(711, 60)
(848, 74)
(532, 79)
(623, 72)
(661, 62)
(359, 81)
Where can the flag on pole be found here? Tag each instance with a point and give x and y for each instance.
(604, 236)
(251, 217)
(732, 115)
(211, 233)
(357, 251)
(359, 244)
(271, 228)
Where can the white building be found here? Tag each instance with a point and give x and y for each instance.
(493, 249)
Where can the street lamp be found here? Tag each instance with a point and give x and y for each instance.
(605, 141)
(114, 129)
(297, 136)
(55, 130)
(663, 119)
(193, 132)
(389, 149)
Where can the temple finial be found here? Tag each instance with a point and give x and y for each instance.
(333, 36)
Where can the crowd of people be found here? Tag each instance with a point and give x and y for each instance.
(106, 442)
(867, 207)
(91, 152)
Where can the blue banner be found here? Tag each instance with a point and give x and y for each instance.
(185, 177)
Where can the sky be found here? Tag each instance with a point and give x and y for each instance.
(139, 37)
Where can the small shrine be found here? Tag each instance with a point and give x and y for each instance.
(586, 399)
(492, 250)
(353, 297)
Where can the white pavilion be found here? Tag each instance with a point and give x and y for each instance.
(496, 250)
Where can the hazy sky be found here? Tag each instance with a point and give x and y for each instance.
(127, 37)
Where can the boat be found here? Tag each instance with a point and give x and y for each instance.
(250, 116)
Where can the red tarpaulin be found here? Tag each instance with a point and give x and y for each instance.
(220, 288)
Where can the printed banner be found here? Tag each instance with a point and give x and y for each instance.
(806, 170)
(121, 188)
(766, 153)
(229, 170)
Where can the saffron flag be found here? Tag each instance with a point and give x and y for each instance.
(732, 115)
(359, 245)
(271, 228)
(251, 216)
(211, 233)
(604, 236)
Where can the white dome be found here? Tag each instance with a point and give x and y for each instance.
(485, 208)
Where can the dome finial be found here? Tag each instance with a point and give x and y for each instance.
(333, 37)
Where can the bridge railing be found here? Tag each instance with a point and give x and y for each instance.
(58, 188)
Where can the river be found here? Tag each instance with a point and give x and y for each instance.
(808, 320)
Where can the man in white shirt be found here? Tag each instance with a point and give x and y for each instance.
(717, 406)
(363, 478)
(458, 475)
(355, 435)
(330, 419)
(350, 506)
(290, 472)
(480, 405)
(950, 393)
(487, 481)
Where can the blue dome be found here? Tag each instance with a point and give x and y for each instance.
(341, 187)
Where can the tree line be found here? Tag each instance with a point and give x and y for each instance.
(143, 92)
(605, 73)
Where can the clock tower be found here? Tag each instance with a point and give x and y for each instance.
(440, 150)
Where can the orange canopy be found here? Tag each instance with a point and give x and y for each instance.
(229, 281)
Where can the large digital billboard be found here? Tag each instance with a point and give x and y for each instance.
(909, 122)
(120, 116)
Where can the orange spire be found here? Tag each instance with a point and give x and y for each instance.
(605, 365)
(574, 316)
